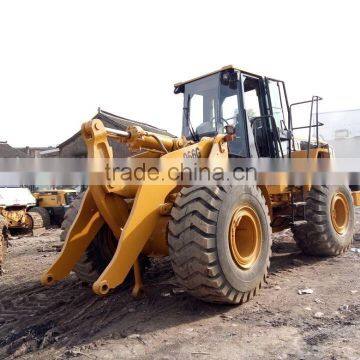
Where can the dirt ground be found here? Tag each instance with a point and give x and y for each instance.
(68, 320)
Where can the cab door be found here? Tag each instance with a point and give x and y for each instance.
(259, 122)
(278, 108)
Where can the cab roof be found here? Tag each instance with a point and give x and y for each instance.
(228, 67)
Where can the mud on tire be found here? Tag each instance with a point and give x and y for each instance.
(318, 235)
(199, 245)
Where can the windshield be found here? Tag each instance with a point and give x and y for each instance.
(200, 107)
(209, 105)
(212, 103)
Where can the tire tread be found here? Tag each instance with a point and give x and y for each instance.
(192, 244)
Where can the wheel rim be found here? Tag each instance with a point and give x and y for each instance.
(245, 237)
(340, 213)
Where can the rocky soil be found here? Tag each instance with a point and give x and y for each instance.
(68, 320)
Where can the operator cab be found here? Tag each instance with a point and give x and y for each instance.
(254, 106)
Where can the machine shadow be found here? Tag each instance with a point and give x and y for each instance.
(286, 255)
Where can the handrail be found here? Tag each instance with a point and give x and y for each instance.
(306, 101)
(314, 100)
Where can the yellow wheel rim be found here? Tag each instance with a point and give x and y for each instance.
(245, 237)
(340, 213)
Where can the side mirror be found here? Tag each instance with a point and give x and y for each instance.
(229, 78)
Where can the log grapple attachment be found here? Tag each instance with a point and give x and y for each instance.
(137, 214)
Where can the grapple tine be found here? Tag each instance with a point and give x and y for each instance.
(86, 225)
(136, 232)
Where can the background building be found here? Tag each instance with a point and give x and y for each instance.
(36, 151)
(342, 131)
(75, 146)
(7, 151)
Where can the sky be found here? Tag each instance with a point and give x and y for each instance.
(61, 60)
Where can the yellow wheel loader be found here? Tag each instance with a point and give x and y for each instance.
(18, 212)
(55, 201)
(217, 236)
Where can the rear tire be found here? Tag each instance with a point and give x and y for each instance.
(40, 218)
(323, 233)
(202, 253)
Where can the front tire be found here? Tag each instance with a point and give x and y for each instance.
(219, 242)
(329, 226)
